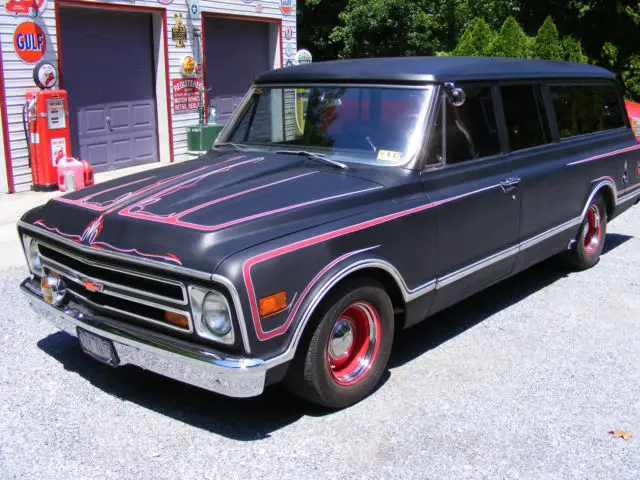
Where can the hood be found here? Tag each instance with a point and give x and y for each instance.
(196, 213)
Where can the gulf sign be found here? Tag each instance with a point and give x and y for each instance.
(29, 42)
(286, 6)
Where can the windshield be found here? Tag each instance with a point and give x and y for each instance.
(375, 125)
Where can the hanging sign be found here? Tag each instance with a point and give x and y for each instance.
(303, 56)
(45, 75)
(286, 7)
(31, 8)
(29, 42)
(194, 9)
(186, 94)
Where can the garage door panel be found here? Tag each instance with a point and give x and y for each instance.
(93, 119)
(143, 115)
(122, 150)
(240, 48)
(110, 42)
(120, 117)
(95, 153)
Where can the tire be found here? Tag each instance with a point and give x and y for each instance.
(586, 251)
(328, 372)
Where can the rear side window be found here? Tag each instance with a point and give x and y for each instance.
(525, 116)
(582, 109)
(470, 130)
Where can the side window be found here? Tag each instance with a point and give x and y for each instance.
(470, 129)
(524, 112)
(582, 109)
(467, 132)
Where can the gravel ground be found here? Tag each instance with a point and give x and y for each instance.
(522, 381)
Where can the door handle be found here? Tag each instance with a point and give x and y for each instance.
(510, 184)
(108, 119)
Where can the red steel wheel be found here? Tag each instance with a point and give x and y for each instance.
(347, 347)
(353, 343)
(593, 235)
(589, 242)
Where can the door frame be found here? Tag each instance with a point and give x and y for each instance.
(4, 135)
(250, 18)
(161, 47)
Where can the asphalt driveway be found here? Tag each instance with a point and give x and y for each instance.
(524, 380)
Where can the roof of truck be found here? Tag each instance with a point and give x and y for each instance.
(430, 69)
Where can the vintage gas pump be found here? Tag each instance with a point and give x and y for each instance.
(46, 125)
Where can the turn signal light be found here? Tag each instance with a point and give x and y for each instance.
(176, 319)
(273, 304)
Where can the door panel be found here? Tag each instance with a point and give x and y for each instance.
(111, 109)
(236, 51)
(478, 227)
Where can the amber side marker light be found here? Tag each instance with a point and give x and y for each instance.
(273, 304)
(176, 319)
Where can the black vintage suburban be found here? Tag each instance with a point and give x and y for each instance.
(343, 202)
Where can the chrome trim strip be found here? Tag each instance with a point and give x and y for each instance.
(627, 198)
(173, 358)
(134, 315)
(120, 270)
(475, 267)
(302, 84)
(176, 269)
(237, 307)
(78, 277)
(549, 233)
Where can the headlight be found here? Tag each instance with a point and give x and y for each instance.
(211, 315)
(33, 255)
(216, 315)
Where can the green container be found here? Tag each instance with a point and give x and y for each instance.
(200, 138)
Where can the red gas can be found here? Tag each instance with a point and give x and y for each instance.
(88, 173)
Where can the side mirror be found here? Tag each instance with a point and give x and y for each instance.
(455, 95)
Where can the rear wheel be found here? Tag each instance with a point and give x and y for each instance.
(347, 353)
(586, 251)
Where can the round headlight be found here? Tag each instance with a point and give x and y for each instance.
(215, 314)
(34, 257)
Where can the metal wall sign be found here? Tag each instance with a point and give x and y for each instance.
(45, 75)
(29, 42)
(32, 8)
(179, 31)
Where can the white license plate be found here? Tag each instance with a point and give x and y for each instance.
(98, 347)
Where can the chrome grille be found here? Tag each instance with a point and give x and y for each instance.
(118, 290)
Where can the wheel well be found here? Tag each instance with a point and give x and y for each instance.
(388, 284)
(609, 199)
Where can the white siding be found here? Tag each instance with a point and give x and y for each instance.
(18, 75)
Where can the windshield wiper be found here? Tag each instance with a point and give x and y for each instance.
(321, 157)
(229, 144)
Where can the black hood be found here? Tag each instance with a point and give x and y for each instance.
(196, 213)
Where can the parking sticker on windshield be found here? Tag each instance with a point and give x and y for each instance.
(389, 155)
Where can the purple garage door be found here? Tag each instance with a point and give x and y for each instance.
(108, 67)
(236, 51)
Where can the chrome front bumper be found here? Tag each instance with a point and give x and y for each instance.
(173, 358)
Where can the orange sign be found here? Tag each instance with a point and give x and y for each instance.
(29, 42)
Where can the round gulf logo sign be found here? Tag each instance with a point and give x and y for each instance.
(29, 42)
(286, 6)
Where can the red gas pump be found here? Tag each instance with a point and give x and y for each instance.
(47, 128)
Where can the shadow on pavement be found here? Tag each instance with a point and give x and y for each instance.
(449, 323)
(256, 418)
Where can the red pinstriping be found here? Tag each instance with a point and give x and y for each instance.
(246, 268)
(262, 335)
(169, 256)
(40, 223)
(106, 205)
(608, 154)
(191, 182)
(633, 187)
(177, 216)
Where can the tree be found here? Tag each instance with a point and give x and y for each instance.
(572, 50)
(378, 28)
(511, 42)
(547, 42)
(475, 40)
(631, 77)
(316, 19)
